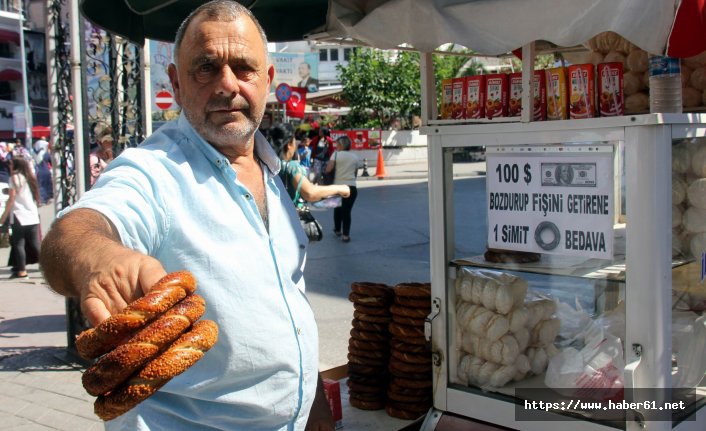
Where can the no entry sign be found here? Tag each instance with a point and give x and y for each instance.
(164, 99)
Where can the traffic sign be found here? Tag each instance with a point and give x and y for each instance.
(163, 99)
(283, 92)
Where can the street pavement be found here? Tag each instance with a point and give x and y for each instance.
(40, 380)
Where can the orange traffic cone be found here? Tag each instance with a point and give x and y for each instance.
(380, 170)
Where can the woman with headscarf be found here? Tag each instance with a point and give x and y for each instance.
(22, 207)
(42, 161)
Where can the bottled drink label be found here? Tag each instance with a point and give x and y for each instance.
(663, 66)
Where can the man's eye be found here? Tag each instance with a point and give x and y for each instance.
(206, 68)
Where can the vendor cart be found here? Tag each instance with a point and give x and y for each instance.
(611, 246)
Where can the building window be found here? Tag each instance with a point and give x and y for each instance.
(6, 92)
(347, 54)
(323, 55)
(334, 54)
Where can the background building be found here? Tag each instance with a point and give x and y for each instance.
(21, 79)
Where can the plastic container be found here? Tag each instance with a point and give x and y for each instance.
(665, 84)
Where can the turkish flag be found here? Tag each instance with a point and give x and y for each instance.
(297, 102)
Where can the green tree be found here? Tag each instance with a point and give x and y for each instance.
(379, 86)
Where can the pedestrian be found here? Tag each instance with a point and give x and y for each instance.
(293, 174)
(21, 207)
(345, 166)
(42, 161)
(105, 146)
(322, 147)
(202, 194)
(304, 151)
(5, 157)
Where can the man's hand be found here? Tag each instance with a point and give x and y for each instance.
(125, 276)
(82, 256)
(320, 417)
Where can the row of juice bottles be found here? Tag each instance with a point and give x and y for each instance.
(559, 93)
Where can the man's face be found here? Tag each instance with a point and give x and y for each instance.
(222, 80)
(303, 70)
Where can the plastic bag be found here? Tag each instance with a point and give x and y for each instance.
(691, 361)
(573, 323)
(330, 202)
(594, 372)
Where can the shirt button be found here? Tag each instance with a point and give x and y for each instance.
(299, 331)
(247, 195)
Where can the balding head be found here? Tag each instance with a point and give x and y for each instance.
(217, 10)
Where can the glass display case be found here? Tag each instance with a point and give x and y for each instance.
(588, 283)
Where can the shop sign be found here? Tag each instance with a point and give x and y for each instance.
(554, 199)
(360, 139)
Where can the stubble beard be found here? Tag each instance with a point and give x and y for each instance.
(229, 135)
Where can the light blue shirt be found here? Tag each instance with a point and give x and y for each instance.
(178, 199)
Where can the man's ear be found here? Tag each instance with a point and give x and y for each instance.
(270, 74)
(174, 79)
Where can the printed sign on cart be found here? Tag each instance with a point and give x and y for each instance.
(555, 202)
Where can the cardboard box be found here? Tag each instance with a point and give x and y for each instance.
(582, 91)
(611, 99)
(459, 98)
(332, 389)
(496, 85)
(475, 97)
(514, 107)
(539, 94)
(446, 99)
(557, 98)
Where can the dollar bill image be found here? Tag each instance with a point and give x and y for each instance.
(569, 174)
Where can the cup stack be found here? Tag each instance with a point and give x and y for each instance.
(369, 345)
(409, 393)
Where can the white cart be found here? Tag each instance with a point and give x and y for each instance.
(639, 273)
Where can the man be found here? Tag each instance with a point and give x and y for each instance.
(306, 81)
(203, 194)
(564, 174)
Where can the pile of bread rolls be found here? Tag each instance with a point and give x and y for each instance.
(611, 47)
(689, 198)
(502, 336)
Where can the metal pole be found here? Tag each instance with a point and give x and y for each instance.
(147, 85)
(52, 78)
(25, 89)
(79, 158)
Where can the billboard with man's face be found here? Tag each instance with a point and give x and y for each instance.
(296, 69)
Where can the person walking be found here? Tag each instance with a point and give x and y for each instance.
(42, 161)
(202, 194)
(21, 206)
(345, 165)
(294, 175)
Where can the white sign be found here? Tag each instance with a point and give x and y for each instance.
(557, 202)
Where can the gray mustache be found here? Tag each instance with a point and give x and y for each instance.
(227, 103)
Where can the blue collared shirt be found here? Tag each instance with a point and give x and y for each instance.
(178, 199)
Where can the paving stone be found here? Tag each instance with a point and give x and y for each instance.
(12, 405)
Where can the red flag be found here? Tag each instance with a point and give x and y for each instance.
(297, 102)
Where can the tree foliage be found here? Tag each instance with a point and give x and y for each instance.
(379, 86)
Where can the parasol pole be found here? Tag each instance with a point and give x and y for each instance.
(79, 158)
